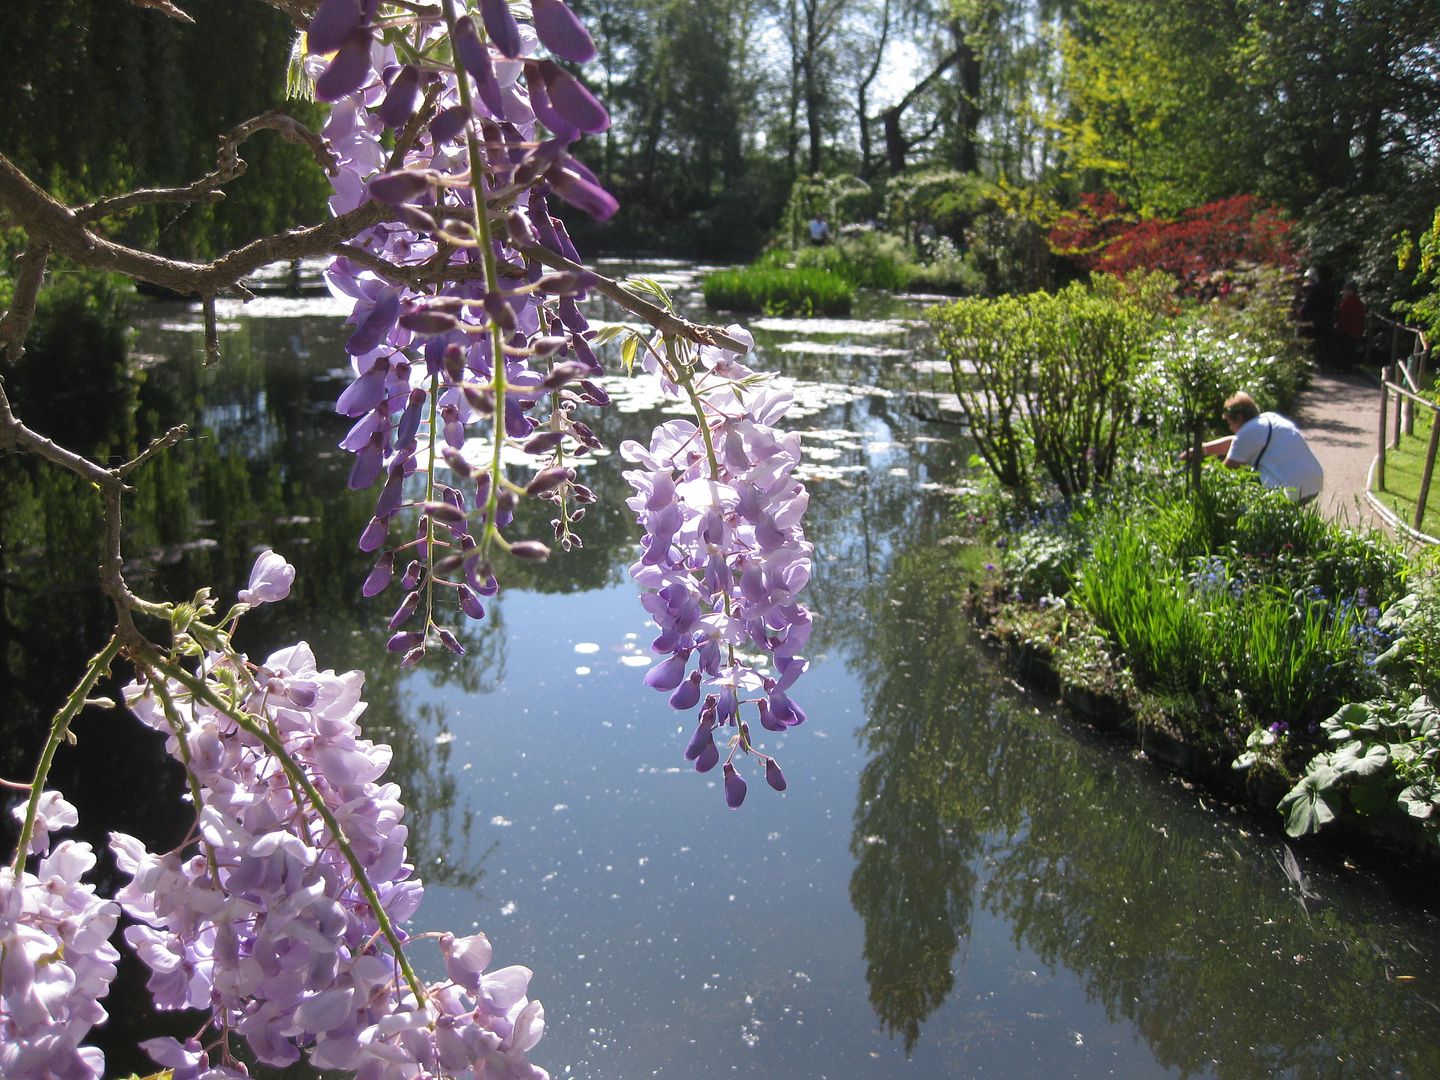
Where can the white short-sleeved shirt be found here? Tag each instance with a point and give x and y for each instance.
(1275, 446)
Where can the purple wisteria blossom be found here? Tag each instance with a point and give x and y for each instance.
(501, 346)
(723, 557)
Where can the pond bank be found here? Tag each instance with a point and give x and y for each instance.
(1398, 855)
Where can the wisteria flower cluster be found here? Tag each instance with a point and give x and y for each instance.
(457, 319)
(723, 556)
(279, 919)
(57, 958)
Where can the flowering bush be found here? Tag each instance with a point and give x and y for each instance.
(280, 917)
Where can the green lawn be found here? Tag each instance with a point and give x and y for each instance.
(1403, 469)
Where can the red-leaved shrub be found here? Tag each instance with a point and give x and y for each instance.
(1103, 234)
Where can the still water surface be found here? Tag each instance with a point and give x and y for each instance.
(955, 884)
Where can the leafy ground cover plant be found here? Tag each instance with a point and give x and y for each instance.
(1234, 608)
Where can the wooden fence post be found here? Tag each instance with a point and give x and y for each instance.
(1399, 407)
(1429, 471)
(1384, 401)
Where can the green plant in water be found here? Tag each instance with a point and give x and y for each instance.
(779, 291)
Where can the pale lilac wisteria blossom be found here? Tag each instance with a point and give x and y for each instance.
(280, 921)
(270, 580)
(56, 960)
(724, 555)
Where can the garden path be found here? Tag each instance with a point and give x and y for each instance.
(1338, 413)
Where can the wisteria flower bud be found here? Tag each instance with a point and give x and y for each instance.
(470, 603)
(380, 575)
(594, 394)
(500, 312)
(480, 399)
(334, 21)
(418, 219)
(413, 657)
(734, 787)
(543, 442)
(411, 578)
(454, 363)
(374, 534)
(687, 694)
(549, 480)
(504, 508)
(572, 101)
(566, 371)
(403, 186)
(548, 345)
(391, 493)
(270, 580)
(450, 641)
(530, 549)
(518, 226)
(773, 776)
(423, 320)
(406, 609)
(702, 737)
(501, 26)
(581, 193)
(669, 673)
(403, 641)
(346, 73)
(457, 462)
(444, 512)
(447, 124)
(561, 32)
(565, 282)
(399, 103)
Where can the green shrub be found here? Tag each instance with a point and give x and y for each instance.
(779, 291)
(865, 258)
(946, 269)
(1044, 381)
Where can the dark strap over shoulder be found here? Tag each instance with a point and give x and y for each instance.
(1269, 433)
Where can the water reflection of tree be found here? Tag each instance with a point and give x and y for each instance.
(1171, 919)
(930, 791)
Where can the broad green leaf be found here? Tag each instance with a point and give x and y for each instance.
(1417, 802)
(1358, 760)
(1304, 807)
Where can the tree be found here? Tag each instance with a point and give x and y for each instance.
(278, 916)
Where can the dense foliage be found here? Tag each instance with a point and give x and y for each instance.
(1196, 248)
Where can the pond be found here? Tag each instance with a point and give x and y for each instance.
(956, 882)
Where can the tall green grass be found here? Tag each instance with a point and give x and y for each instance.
(774, 290)
(1248, 648)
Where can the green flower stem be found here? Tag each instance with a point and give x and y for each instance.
(177, 726)
(59, 729)
(492, 284)
(201, 691)
(684, 376)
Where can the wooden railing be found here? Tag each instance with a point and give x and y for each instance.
(1403, 381)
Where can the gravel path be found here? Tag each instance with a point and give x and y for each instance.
(1339, 414)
